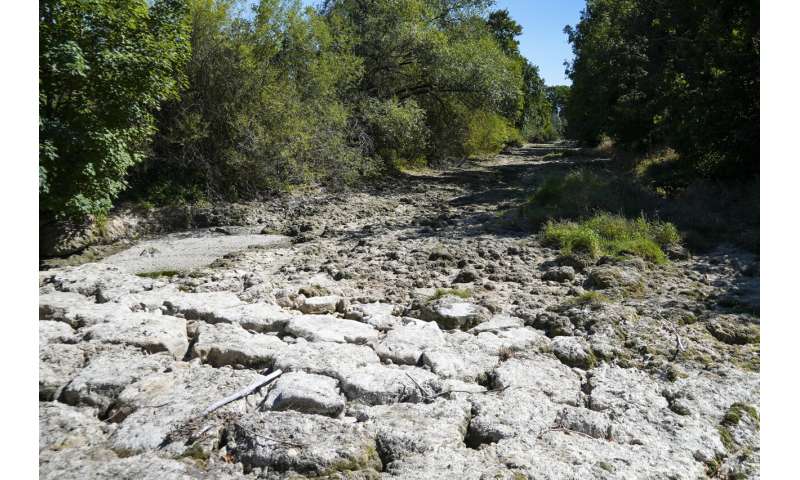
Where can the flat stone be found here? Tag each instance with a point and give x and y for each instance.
(320, 305)
(62, 426)
(78, 311)
(406, 344)
(447, 464)
(58, 364)
(97, 464)
(151, 408)
(230, 344)
(497, 324)
(325, 358)
(406, 429)
(540, 373)
(258, 317)
(310, 445)
(510, 413)
(55, 332)
(108, 373)
(151, 332)
(376, 384)
(186, 251)
(463, 357)
(306, 393)
(201, 306)
(105, 283)
(326, 328)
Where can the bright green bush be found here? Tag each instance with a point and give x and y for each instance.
(613, 235)
(104, 67)
(488, 133)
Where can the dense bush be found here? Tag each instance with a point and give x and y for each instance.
(104, 67)
(242, 98)
(684, 74)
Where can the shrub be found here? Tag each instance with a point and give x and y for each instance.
(489, 133)
(613, 235)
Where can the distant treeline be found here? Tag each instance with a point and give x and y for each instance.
(188, 100)
(683, 74)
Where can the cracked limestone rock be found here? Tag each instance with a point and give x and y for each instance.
(229, 344)
(303, 444)
(306, 393)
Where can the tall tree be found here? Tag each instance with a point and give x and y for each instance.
(104, 67)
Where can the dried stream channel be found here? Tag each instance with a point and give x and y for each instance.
(419, 338)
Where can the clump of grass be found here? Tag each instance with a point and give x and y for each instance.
(158, 274)
(612, 235)
(458, 292)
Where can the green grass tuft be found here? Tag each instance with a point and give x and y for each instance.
(158, 274)
(612, 235)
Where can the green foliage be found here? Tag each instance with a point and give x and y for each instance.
(104, 67)
(612, 235)
(396, 128)
(488, 133)
(158, 274)
(258, 97)
(683, 74)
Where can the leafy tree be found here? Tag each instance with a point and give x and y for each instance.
(104, 67)
(685, 74)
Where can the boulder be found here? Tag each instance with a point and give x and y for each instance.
(611, 276)
(559, 274)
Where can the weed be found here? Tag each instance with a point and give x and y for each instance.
(612, 235)
(158, 274)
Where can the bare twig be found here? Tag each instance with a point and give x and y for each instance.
(567, 430)
(242, 393)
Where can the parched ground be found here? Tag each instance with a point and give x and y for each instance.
(420, 336)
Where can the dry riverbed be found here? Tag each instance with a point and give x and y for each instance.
(419, 336)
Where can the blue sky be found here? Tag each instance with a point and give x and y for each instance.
(543, 41)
